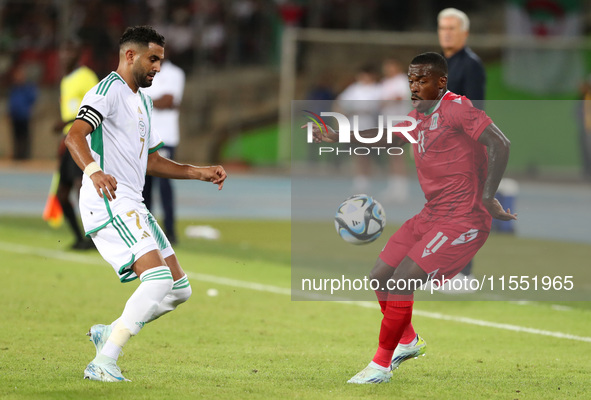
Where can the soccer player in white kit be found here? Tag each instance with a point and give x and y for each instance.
(114, 143)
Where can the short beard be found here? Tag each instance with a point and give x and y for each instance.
(142, 81)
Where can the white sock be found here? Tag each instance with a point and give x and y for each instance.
(111, 350)
(180, 292)
(378, 366)
(156, 283)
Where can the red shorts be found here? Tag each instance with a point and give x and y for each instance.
(439, 248)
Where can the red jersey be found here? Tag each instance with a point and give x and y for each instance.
(451, 163)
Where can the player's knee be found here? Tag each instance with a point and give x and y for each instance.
(381, 271)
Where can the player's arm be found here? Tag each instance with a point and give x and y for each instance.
(164, 102)
(497, 147)
(164, 168)
(78, 147)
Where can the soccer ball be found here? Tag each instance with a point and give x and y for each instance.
(360, 219)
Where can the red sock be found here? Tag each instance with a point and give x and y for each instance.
(408, 335)
(382, 299)
(396, 318)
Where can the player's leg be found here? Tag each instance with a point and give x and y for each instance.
(383, 273)
(63, 196)
(391, 256)
(396, 319)
(70, 177)
(180, 292)
(131, 247)
(167, 196)
(398, 312)
(395, 332)
(156, 282)
(386, 269)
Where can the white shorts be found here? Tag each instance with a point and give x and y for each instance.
(129, 236)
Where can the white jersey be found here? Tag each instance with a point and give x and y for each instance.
(170, 80)
(120, 142)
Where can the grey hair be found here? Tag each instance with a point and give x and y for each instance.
(454, 12)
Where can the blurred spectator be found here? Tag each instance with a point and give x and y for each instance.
(166, 93)
(213, 42)
(77, 80)
(466, 74)
(180, 37)
(23, 95)
(362, 99)
(322, 90)
(250, 32)
(94, 32)
(395, 102)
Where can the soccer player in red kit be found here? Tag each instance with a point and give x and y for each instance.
(460, 157)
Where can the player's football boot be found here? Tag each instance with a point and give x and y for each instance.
(103, 370)
(371, 375)
(99, 335)
(405, 352)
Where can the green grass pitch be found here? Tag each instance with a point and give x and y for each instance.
(253, 344)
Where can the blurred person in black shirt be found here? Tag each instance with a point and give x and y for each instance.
(466, 72)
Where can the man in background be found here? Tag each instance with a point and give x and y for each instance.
(467, 76)
(166, 93)
(78, 79)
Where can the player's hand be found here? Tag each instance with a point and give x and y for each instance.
(320, 135)
(496, 210)
(214, 174)
(105, 185)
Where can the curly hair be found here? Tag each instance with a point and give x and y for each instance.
(143, 34)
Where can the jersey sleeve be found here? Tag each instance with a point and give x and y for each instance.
(94, 108)
(469, 119)
(154, 142)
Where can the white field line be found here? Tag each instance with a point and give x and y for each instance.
(95, 260)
